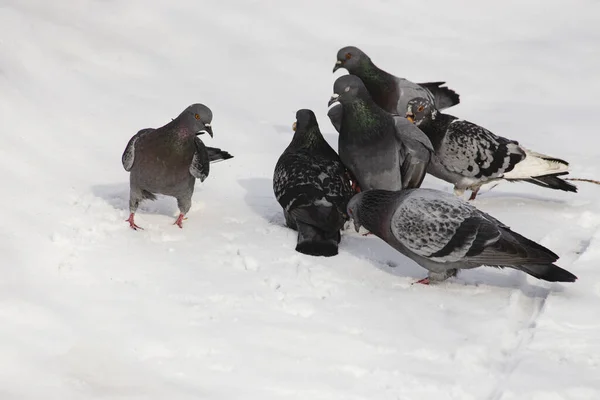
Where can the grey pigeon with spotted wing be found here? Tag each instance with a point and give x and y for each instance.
(169, 159)
(312, 186)
(381, 150)
(468, 155)
(388, 91)
(444, 234)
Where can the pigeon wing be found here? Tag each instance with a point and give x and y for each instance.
(200, 166)
(442, 229)
(128, 156)
(473, 151)
(415, 152)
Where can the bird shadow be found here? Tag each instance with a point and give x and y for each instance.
(260, 199)
(117, 196)
(388, 260)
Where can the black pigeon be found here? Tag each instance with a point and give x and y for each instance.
(468, 155)
(444, 234)
(312, 186)
(381, 150)
(168, 160)
(388, 91)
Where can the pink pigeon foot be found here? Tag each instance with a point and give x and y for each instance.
(132, 224)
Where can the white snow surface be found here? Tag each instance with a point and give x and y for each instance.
(225, 308)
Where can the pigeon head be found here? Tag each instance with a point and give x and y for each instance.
(198, 117)
(353, 209)
(418, 110)
(305, 120)
(351, 58)
(347, 88)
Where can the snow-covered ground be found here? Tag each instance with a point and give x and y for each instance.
(224, 308)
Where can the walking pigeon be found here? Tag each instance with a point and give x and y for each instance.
(388, 91)
(381, 150)
(168, 160)
(311, 185)
(468, 155)
(443, 234)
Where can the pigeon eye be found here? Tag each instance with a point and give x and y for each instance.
(197, 116)
(420, 109)
(347, 89)
(348, 56)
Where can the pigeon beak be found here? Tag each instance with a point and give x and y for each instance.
(294, 127)
(410, 117)
(356, 225)
(333, 99)
(338, 65)
(208, 129)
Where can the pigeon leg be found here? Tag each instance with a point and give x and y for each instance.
(367, 234)
(424, 281)
(132, 224)
(474, 193)
(184, 203)
(179, 220)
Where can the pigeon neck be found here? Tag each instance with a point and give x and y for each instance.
(379, 83)
(366, 120)
(180, 127)
(373, 209)
(435, 126)
(310, 139)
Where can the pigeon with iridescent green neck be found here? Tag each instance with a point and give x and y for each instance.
(381, 150)
(388, 91)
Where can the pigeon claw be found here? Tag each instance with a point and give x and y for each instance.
(132, 224)
(424, 281)
(179, 220)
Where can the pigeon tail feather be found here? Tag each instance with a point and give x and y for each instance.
(315, 242)
(216, 155)
(548, 272)
(443, 95)
(536, 165)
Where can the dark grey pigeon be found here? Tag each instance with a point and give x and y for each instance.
(468, 155)
(312, 186)
(381, 150)
(168, 160)
(443, 234)
(388, 91)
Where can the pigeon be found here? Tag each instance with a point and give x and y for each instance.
(168, 160)
(381, 150)
(388, 91)
(312, 187)
(468, 155)
(443, 233)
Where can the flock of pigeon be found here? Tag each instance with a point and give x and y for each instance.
(391, 133)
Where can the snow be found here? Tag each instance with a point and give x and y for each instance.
(224, 308)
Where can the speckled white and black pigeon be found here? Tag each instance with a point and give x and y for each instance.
(311, 184)
(388, 91)
(168, 160)
(468, 155)
(381, 150)
(444, 234)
